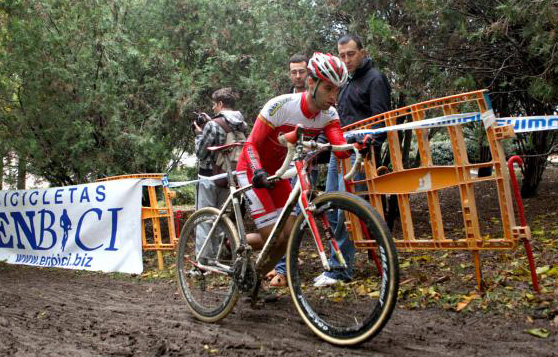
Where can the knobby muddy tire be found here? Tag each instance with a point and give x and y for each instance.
(345, 313)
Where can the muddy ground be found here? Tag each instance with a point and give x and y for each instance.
(54, 312)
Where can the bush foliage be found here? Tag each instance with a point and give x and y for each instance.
(93, 88)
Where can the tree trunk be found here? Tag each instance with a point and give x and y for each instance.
(2, 171)
(484, 156)
(535, 160)
(21, 173)
(532, 175)
(407, 140)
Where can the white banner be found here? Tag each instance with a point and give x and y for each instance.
(89, 227)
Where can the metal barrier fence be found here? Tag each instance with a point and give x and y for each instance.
(429, 180)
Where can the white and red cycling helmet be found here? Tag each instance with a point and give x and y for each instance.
(323, 66)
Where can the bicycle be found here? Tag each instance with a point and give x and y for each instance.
(212, 277)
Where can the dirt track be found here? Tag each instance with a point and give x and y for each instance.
(52, 312)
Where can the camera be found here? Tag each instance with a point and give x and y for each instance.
(201, 119)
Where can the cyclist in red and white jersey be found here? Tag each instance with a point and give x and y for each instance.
(262, 154)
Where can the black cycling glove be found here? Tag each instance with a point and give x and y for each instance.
(364, 143)
(260, 179)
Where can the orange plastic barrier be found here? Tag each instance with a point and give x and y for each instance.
(429, 180)
(157, 219)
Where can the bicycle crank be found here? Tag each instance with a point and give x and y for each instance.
(244, 271)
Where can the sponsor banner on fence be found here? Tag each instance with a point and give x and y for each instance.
(90, 227)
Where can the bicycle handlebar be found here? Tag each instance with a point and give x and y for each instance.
(287, 140)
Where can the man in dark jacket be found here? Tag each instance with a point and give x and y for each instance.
(367, 93)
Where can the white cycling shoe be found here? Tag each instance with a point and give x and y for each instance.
(324, 280)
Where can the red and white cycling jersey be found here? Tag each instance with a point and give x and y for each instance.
(263, 150)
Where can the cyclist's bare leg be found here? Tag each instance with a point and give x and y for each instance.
(257, 241)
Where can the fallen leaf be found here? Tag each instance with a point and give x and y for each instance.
(552, 272)
(361, 290)
(542, 270)
(539, 332)
(405, 264)
(461, 305)
(466, 300)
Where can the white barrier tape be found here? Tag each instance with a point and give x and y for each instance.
(154, 182)
(488, 118)
(202, 178)
(182, 183)
(151, 182)
(520, 124)
(530, 124)
(446, 120)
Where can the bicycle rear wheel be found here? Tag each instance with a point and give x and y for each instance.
(345, 313)
(209, 294)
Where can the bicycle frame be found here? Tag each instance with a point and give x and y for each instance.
(299, 194)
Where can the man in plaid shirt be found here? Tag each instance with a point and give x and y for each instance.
(209, 194)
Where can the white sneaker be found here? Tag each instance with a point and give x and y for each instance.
(318, 277)
(324, 280)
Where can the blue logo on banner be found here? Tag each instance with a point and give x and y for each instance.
(36, 229)
(28, 236)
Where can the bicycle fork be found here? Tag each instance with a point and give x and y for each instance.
(309, 210)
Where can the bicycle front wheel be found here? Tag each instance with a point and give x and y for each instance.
(355, 309)
(209, 293)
